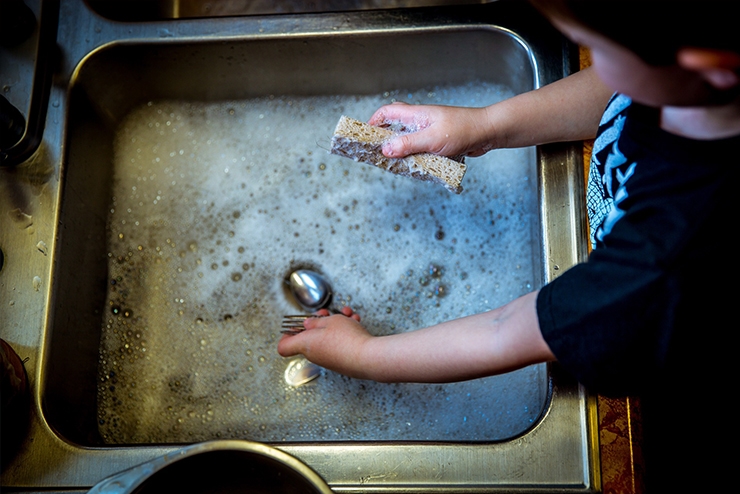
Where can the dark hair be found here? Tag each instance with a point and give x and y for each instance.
(654, 29)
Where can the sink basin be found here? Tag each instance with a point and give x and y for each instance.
(217, 186)
(196, 176)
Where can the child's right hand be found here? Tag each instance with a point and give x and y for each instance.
(442, 130)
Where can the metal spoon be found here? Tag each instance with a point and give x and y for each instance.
(310, 289)
(301, 371)
(312, 292)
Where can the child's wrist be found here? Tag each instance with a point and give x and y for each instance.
(369, 360)
(494, 118)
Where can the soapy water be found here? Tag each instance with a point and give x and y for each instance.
(215, 203)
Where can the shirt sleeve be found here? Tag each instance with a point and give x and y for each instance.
(604, 324)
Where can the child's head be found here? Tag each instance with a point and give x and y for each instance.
(659, 52)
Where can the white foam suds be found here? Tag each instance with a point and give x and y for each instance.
(216, 203)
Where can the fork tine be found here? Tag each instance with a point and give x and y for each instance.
(290, 332)
(301, 316)
(297, 319)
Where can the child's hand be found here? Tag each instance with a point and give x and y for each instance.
(442, 130)
(331, 341)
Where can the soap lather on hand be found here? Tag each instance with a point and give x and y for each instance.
(363, 142)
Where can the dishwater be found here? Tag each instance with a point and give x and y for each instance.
(218, 202)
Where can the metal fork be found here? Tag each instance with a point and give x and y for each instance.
(293, 324)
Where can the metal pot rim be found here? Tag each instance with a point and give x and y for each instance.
(128, 480)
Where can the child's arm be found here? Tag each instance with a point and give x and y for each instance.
(484, 344)
(566, 110)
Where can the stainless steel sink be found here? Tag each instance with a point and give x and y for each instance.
(184, 174)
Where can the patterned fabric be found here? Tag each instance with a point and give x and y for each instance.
(608, 170)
